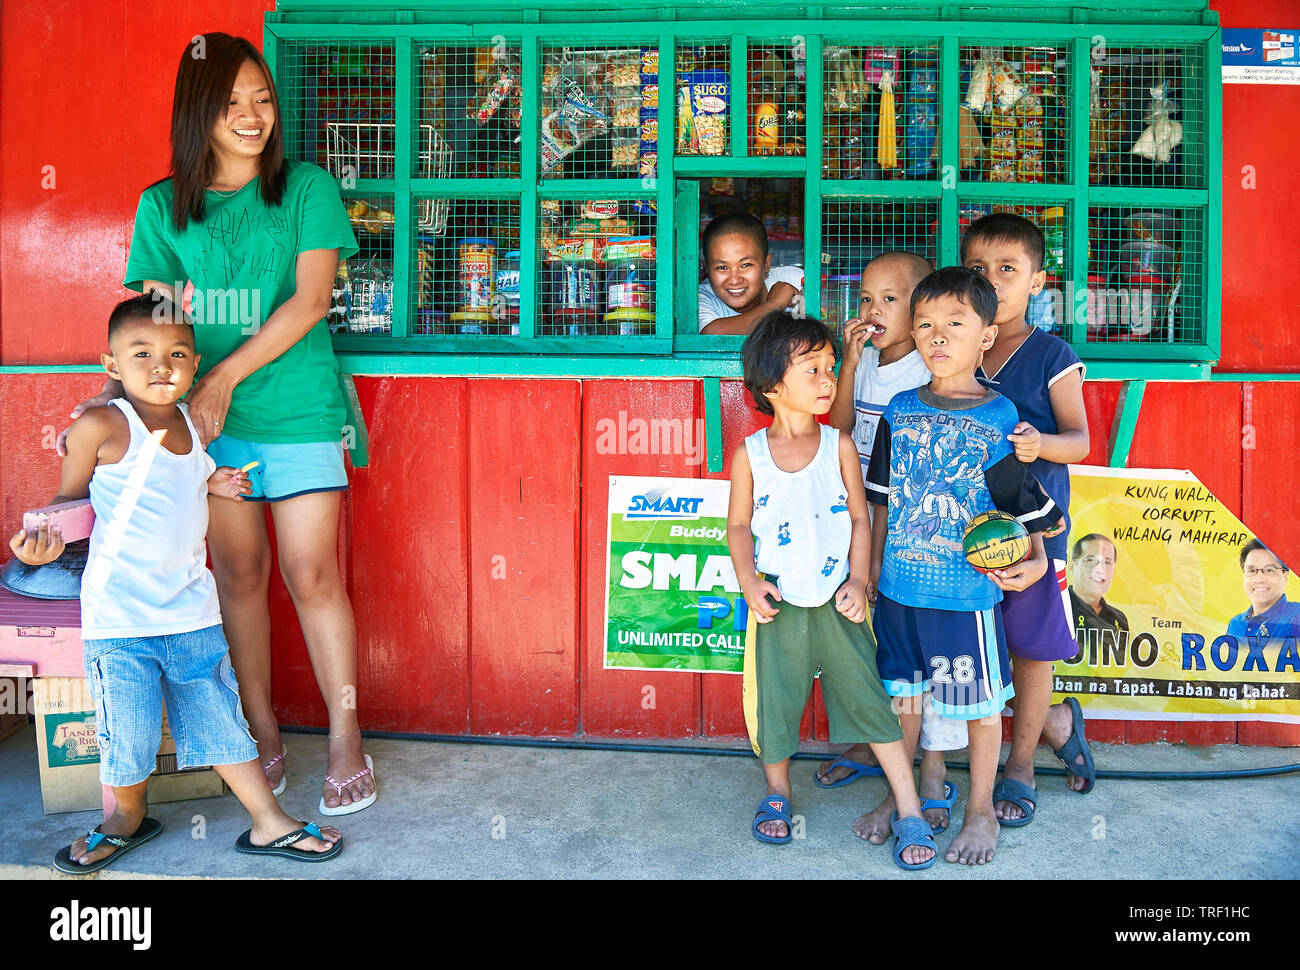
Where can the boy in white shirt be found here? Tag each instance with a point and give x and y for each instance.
(742, 286)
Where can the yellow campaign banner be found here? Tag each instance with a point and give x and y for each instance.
(1179, 611)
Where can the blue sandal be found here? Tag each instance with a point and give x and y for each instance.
(859, 770)
(909, 832)
(1076, 746)
(773, 808)
(950, 796)
(283, 845)
(64, 862)
(1017, 793)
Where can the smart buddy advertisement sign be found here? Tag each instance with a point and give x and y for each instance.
(672, 598)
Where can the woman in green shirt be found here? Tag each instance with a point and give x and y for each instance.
(250, 242)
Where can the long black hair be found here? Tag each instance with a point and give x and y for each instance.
(202, 96)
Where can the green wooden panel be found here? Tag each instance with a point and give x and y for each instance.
(1126, 419)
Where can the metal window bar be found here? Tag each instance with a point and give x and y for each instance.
(354, 147)
(473, 98)
(362, 301)
(467, 279)
(777, 97)
(598, 119)
(703, 98)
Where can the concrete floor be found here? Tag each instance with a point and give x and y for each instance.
(486, 811)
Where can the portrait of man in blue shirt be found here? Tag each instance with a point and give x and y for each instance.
(1270, 615)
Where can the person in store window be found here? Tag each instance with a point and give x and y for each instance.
(249, 243)
(742, 287)
(1270, 615)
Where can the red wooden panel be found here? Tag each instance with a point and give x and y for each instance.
(1180, 732)
(1099, 400)
(1268, 734)
(408, 566)
(523, 534)
(65, 62)
(1195, 425)
(617, 702)
(1260, 332)
(34, 408)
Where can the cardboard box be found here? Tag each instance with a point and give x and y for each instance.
(69, 754)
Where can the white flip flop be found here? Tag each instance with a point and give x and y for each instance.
(338, 786)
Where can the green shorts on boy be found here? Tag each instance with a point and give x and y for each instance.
(802, 528)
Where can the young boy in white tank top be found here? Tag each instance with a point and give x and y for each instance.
(150, 618)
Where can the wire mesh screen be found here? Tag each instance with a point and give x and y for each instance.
(1144, 108)
(1014, 116)
(467, 277)
(854, 233)
(1050, 308)
(362, 301)
(470, 102)
(600, 116)
(1145, 275)
(597, 271)
(703, 98)
(777, 92)
(880, 112)
(338, 109)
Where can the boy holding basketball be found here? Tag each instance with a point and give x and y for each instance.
(941, 458)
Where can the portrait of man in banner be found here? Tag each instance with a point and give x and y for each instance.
(1264, 578)
(1092, 564)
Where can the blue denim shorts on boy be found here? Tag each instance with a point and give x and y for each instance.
(1037, 619)
(287, 469)
(131, 677)
(961, 658)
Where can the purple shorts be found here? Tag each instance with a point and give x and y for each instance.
(1037, 619)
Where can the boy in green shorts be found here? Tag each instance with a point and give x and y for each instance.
(798, 532)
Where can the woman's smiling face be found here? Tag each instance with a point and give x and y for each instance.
(243, 129)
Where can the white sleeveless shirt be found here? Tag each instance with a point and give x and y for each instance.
(801, 522)
(145, 572)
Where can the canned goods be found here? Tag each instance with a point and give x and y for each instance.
(476, 274)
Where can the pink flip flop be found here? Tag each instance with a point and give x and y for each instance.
(278, 790)
(338, 787)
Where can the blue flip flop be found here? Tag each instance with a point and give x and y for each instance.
(773, 808)
(1018, 793)
(64, 862)
(950, 795)
(1076, 746)
(283, 846)
(909, 832)
(859, 770)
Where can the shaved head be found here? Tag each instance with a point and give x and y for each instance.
(917, 267)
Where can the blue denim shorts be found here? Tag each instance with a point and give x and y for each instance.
(130, 678)
(286, 469)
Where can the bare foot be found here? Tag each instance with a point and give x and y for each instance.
(932, 787)
(874, 826)
(116, 824)
(916, 854)
(1057, 730)
(1010, 811)
(861, 753)
(265, 836)
(775, 828)
(345, 760)
(977, 841)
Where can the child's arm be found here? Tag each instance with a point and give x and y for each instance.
(740, 540)
(878, 484)
(1026, 572)
(879, 533)
(85, 438)
(1070, 443)
(778, 298)
(231, 483)
(842, 410)
(851, 599)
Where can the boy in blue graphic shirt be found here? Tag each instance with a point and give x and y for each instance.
(941, 457)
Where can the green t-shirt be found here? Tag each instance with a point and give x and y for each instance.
(241, 259)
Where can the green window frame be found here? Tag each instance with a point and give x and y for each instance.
(674, 349)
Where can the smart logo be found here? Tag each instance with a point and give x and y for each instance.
(658, 504)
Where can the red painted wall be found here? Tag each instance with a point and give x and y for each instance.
(473, 545)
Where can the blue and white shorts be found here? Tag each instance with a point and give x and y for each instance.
(131, 677)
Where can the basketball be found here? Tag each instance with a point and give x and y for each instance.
(994, 540)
